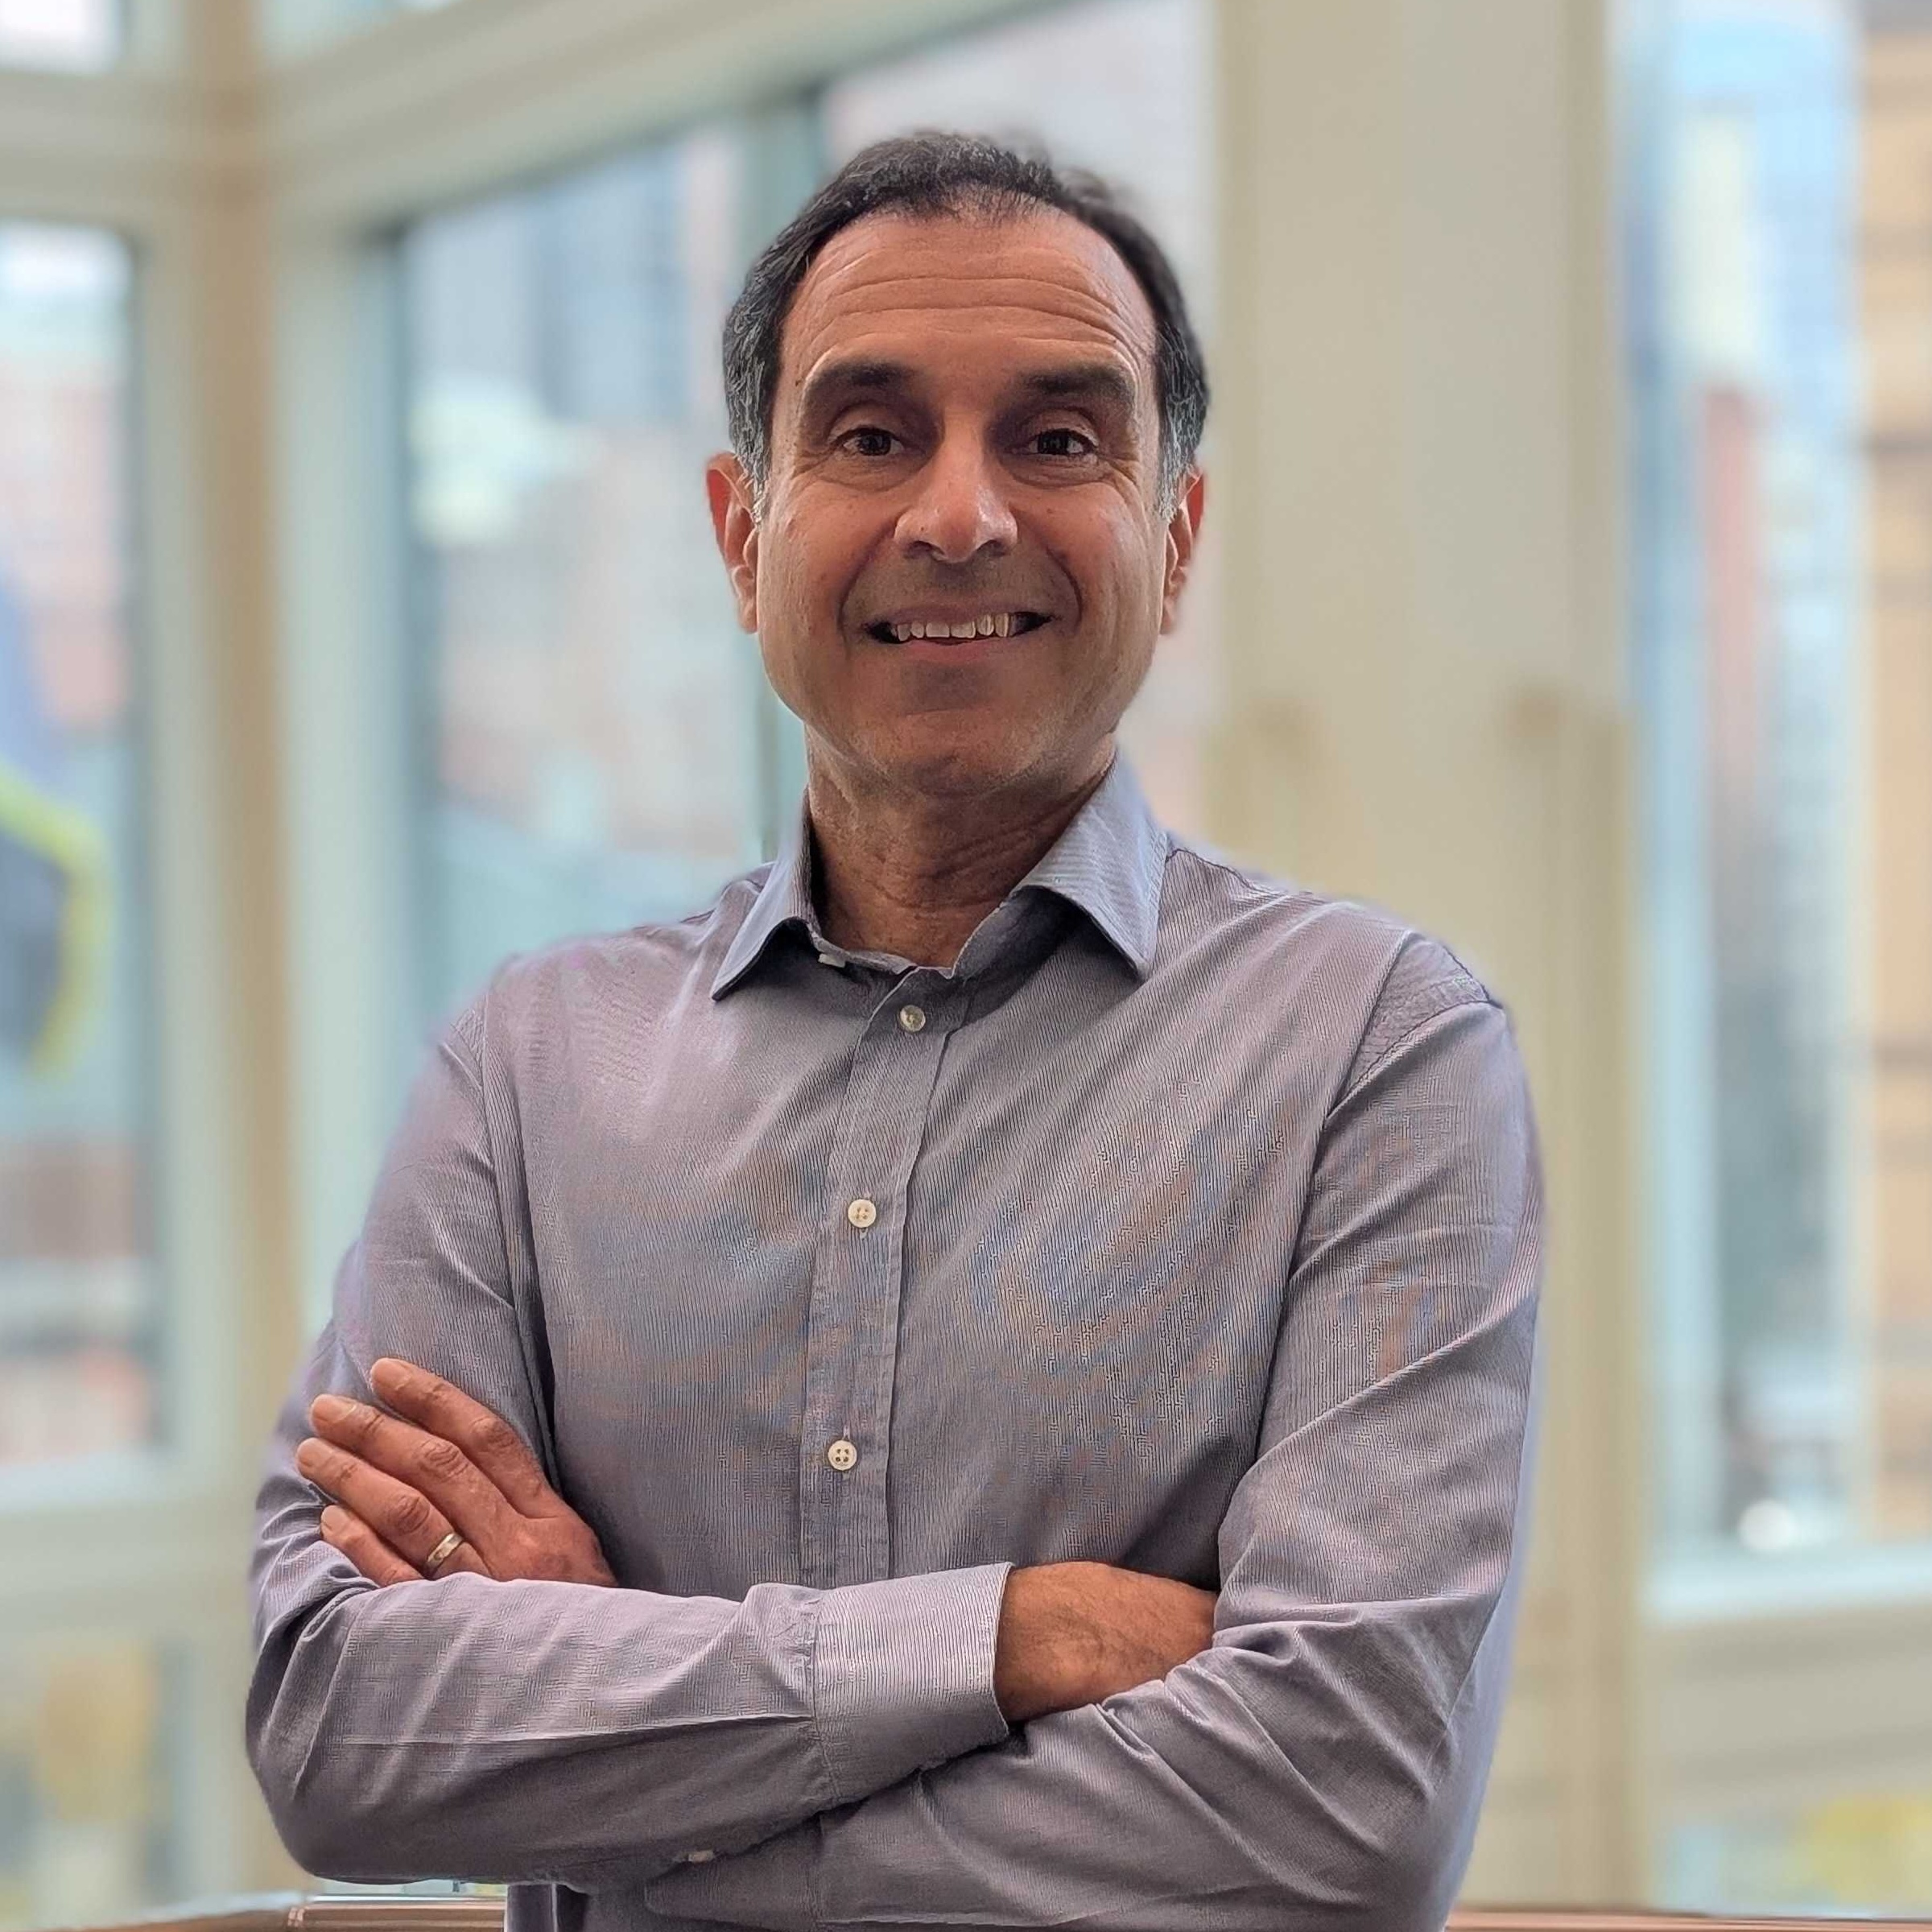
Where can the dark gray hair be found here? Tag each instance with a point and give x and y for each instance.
(932, 174)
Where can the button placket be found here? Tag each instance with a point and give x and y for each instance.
(844, 1530)
(914, 1056)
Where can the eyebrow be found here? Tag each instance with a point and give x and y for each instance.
(859, 376)
(1102, 382)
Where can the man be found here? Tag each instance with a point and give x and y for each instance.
(982, 1381)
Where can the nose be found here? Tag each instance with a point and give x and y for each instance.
(959, 511)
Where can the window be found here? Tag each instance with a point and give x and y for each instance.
(589, 725)
(1780, 298)
(1793, 1051)
(596, 744)
(82, 34)
(78, 1297)
(1747, 395)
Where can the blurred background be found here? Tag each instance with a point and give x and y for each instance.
(1569, 590)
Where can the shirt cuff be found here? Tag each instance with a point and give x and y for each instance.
(902, 1676)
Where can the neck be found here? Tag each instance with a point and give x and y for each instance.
(912, 875)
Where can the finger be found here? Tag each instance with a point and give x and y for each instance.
(365, 1548)
(431, 1465)
(443, 1409)
(404, 1518)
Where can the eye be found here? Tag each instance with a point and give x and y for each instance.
(1061, 443)
(869, 441)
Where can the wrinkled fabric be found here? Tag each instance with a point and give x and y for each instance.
(1204, 1240)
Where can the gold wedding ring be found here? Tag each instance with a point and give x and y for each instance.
(443, 1552)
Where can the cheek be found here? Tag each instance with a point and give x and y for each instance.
(1131, 617)
(1119, 567)
(810, 556)
(791, 603)
(784, 588)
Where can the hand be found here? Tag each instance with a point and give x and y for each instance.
(1076, 1633)
(400, 1487)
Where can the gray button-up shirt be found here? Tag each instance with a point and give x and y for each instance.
(1190, 1223)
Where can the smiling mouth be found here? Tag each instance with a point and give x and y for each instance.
(993, 624)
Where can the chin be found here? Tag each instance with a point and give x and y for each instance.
(959, 770)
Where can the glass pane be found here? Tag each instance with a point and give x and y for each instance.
(1744, 343)
(588, 700)
(78, 1307)
(1778, 335)
(73, 34)
(86, 1825)
(1121, 87)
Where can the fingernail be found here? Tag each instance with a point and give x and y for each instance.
(333, 1520)
(332, 1408)
(307, 1452)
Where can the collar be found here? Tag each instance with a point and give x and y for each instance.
(1107, 864)
(784, 899)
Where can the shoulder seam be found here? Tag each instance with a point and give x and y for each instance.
(1287, 889)
(1448, 998)
(467, 1031)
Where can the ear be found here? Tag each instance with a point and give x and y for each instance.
(1183, 533)
(735, 523)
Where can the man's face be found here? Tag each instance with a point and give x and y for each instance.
(965, 434)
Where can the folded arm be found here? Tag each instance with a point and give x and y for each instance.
(1321, 1764)
(537, 1729)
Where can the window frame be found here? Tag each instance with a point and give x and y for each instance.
(135, 150)
(1764, 1675)
(619, 76)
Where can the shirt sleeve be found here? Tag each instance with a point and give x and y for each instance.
(1322, 1764)
(548, 1731)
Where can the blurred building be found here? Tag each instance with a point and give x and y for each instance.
(1748, 503)
(1895, 302)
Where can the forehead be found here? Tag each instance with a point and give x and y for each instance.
(968, 292)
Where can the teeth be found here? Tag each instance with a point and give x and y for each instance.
(997, 624)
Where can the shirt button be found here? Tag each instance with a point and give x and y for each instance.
(861, 1213)
(698, 1858)
(842, 1455)
(912, 1018)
